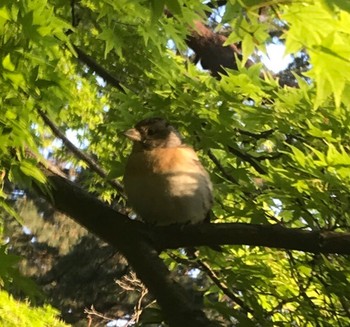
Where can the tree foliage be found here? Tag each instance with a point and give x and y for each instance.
(14, 313)
(276, 146)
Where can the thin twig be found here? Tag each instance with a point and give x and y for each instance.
(221, 168)
(89, 61)
(212, 275)
(93, 312)
(260, 135)
(196, 261)
(98, 69)
(72, 9)
(132, 283)
(247, 158)
(93, 165)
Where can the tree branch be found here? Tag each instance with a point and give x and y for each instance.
(98, 69)
(131, 238)
(90, 212)
(210, 50)
(212, 275)
(273, 236)
(138, 241)
(79, 154)
(247, 158)
(214, 56)
(105, 222)
(221, 168)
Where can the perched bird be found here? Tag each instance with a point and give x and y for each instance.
(164, 180)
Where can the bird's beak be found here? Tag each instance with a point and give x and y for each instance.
(133, 134)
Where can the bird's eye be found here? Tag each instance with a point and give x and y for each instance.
(151, 131)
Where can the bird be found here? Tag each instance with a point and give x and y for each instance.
(164, 180)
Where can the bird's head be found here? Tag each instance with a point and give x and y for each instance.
(153, 133)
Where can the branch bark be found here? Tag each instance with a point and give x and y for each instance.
(211, 52)
(272, 236)
(107, 223)
(214, 56)
(131, 239)
(120, 231)
(140, 244)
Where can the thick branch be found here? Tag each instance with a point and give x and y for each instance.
(273, 236)
(214, 56)
(107, 223)
(138, 241)
(130, 237)
(210, 50)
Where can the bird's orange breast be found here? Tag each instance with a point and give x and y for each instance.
(168, 185)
